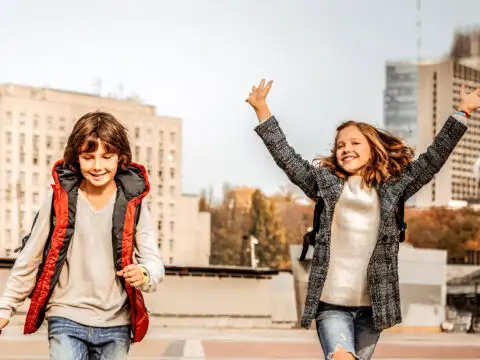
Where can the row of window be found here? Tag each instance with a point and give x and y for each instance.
(149, 135)
(24, 120)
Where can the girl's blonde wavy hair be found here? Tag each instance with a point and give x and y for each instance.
(389, 157)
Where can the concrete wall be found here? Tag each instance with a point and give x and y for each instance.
(456, 271)
(215, 301)
(423, 289)
(194, 230)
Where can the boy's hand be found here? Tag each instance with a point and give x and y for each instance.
(133, 274)
(3, 323)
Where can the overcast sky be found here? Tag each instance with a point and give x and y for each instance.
(198, 59)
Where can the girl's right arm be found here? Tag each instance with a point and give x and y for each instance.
(299, 171)
(23, 276)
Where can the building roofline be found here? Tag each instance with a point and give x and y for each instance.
(209, 271)
(76, 92)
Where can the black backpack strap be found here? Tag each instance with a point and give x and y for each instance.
(309, 237)
(400, 217)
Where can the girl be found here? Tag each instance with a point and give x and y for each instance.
(86, 271)
(353, 290)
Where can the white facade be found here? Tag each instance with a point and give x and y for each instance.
(34, 127)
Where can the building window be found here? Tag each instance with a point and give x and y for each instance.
(160, 137)
(49, 142)
(22, 158)
(160, 156)
(137, 153)
(137, 133)
(8, 216)
(160, 190)
(36, 179)
(62, 143)
(172, 226)
(149, 155)
(35, 197)
(171, 243)
(49, 123)
(149, 134)
(8, 135)
(172, 137)
(172, 209)
(172, 191)
(8, 235)
(170, 260)
(35, 121)
(36, 142)
(48, 160)
(22, 140)
(22, 119)
(9, 118)
(159, 225)
(171, 156)
(22, 220)
(172, 174)
(160, 208)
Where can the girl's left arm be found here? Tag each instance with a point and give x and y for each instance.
(423, 169)
(147, 252)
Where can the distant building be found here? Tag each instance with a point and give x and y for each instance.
(34, 126)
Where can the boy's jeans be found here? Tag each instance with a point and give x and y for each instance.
(69, 340)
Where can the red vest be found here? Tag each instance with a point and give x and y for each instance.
(132, 187)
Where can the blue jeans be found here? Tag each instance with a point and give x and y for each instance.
(69, 340)
(347, 328)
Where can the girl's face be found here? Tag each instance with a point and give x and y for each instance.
(99, 167)
(353, 151)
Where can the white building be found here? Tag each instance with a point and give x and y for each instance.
(34, 127)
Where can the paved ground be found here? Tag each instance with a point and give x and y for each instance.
(214, 344)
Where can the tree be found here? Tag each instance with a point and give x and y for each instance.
(266, 227)
(228, 226)
(441, 228)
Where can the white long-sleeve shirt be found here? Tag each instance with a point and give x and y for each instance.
(88, 290)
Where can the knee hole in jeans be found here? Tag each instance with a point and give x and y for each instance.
(341, 354)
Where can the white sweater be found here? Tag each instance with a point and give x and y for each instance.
(354, 236)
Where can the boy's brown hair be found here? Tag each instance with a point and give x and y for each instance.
(92, 127)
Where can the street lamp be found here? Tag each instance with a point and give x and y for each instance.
(253, 259)
(253, 241)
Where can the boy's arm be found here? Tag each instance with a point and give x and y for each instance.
(23, 275)
(147, 252)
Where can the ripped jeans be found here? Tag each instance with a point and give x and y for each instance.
(347, 328)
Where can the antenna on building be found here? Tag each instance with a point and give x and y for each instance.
(419, 30)
(120, 90)
(98, 86)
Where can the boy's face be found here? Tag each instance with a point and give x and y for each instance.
(99, 167)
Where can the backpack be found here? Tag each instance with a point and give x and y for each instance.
(26, 237)
(309, 237)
